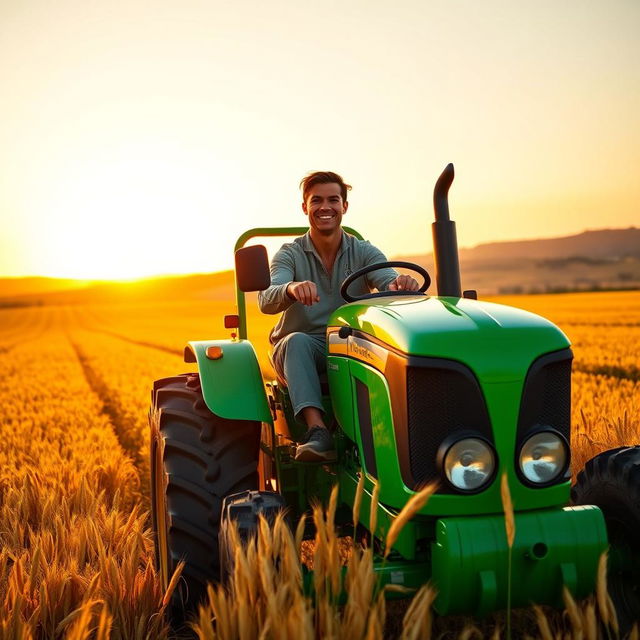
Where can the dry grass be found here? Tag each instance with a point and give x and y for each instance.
(413, 506)
(76, 548)
(76, 558)
(265, 598)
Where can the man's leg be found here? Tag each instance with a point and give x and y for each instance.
(313, 416)
(300, 358)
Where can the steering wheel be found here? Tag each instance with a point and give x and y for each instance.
(379, 294)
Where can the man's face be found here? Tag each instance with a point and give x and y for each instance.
(325, 207)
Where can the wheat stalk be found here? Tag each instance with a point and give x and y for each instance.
(507, 505)
(573, 613)
(300, 532)
(373, 512)
(469, 632)
(590, 622)
(601, 590)
(543, 623)
(417, 620)
(357, 502)
(510, 529)
(413, 505)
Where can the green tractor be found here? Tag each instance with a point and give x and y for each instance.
(421, 389)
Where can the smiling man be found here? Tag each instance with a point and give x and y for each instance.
(306, 275)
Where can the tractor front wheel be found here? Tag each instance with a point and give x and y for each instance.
(197, 459)
(611, 481)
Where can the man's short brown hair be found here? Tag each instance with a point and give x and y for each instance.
(323, 177)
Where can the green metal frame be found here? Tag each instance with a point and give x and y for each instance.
(266, 232)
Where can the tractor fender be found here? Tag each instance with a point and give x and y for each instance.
(230, 377)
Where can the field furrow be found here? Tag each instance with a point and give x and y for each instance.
(72, 533)
(610, 351)
(139, 343)
(109, 404)
(48, 412)
(23, 325)
(611, 370)
(570, 322)
(122, 375)
(12, 321)
(171, 325)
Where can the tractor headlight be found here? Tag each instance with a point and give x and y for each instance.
(543, 457)
(469, 464)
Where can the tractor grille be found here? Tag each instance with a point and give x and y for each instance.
(443, 398)
(546, 399)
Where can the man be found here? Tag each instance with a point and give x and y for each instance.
(306, 275)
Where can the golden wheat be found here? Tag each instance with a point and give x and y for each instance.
(413, 505)
(76, 552)
(118, 373)
(71, 531)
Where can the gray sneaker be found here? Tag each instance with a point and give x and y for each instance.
(316, 446)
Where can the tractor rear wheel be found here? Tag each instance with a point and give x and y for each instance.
(611, 481)
(197, 459)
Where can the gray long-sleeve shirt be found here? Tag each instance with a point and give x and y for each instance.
(298, 261)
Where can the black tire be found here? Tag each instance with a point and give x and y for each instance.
(611, 481)
(245, 509)
(197, 459)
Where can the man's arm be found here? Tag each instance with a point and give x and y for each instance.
(305, 292)
(275, 298)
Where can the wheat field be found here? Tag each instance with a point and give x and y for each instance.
(76, 552)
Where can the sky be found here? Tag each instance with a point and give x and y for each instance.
(142, 137)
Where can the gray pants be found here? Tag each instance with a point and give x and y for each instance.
(300, 358)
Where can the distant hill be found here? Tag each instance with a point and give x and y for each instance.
(217, 286)
(603, 243)
(599, 259)
(36, 285)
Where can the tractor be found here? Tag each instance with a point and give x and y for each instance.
(421, 388)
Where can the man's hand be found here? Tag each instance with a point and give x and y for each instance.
(404, 283)
(304, 292)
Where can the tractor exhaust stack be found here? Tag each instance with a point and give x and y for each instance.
(445, 242)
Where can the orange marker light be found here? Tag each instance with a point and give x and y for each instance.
(214, 353)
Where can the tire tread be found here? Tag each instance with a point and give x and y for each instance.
(221, 457)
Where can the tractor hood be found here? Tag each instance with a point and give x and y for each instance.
(497, 342)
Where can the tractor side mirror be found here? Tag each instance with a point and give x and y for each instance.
(252, 268)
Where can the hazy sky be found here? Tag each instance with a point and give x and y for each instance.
(141, 137)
